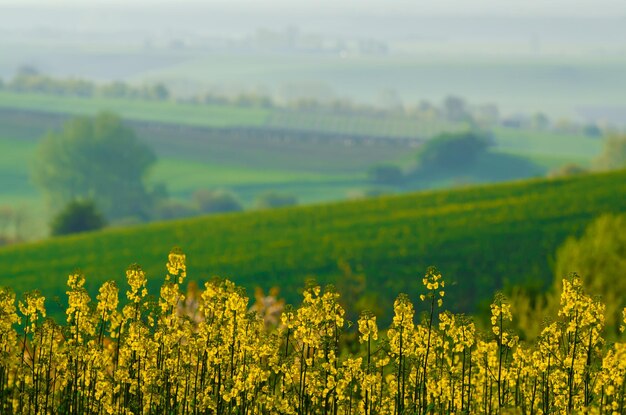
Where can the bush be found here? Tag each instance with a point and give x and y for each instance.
(567, 170)
(385, 174)
(174, 209)
(613, 154)
(274, 200)
(216, 201)
(78, 216)
(592, 130)
(451, 152)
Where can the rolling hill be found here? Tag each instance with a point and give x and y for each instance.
(481, 238)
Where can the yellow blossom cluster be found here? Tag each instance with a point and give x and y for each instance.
(153, 356)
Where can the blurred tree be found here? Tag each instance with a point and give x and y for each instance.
(567, 170)
(387, 174)
(27, 70)
(159, 92)
(455, 108)
(97, 159)
(6, 220)
(77, 216)
(215, 201)
(592, 130)
(274, 199)
(540, 121)
(174, 209)
(487, 115)
(117, 89)
(613, 155)
(451, 152)
(12, 221)
(599, 257)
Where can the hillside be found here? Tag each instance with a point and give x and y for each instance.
(480, 237)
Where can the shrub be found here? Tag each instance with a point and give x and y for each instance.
(385, 174)
(216, 201)
(274, 200)
(78, 216)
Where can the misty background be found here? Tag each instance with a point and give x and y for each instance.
(562, 58)
(242, 105)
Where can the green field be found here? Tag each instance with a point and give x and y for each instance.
(313, 166)
(481, 238)
(547, 148)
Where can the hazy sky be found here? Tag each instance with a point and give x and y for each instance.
(599, 8)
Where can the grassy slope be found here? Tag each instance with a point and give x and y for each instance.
(480, 237)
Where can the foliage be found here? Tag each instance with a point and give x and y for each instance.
(174, 209)
(216, 201)
(99, 159)
(455, 108)
(269, 200)
(485, 238)
(451, 152)
(13, 222)
(385, 174)
(77, 216)
(613, 153)
(566, 170)
(598, 255)
(29, 79)
(207, 352)
(592, 130)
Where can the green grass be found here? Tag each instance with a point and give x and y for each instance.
(547, 148)
(481, 238)
(183, 177)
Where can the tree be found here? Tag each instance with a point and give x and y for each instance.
(77, 216)
(451, 152)
(540, 121)
(385, 174)
(216, 201)
(455, 109)
(97, 159)
(592, 130)
(613, 154)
